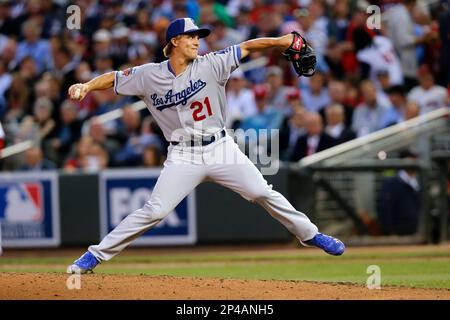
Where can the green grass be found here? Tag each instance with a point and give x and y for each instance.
(414, 274)
(421, 269)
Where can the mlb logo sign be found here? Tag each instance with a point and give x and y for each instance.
(21, 203)
(29, 216)
(124, 191)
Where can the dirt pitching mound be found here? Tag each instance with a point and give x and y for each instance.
(54, 286)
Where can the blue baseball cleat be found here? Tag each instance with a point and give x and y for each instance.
(327, 243)
(85, 264)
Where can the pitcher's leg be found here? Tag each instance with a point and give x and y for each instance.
(241, 176)
(282, 210)
(175, 182)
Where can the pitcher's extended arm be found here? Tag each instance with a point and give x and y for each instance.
(263, 43)
(79, 90)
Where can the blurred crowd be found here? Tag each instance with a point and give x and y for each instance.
(369, 75)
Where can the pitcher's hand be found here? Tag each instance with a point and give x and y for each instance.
(78, 91)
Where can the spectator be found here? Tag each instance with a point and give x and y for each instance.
(152, 157)
(256, 75)
(28, 130)
(99, 135)
(102, 43)
(149, 134)
(397, 112)
(212, 10)
(243, 24)
(179, 10)
(383, 84)
(339, 54)
(161, 8)
(338, 24)
(266, 117)
(377, 53)
(421, 21)
(42, 112)
(315, 139)
(412, 110)
(240, 100)
(400, 29)
(96, 159)
(45, 13)
(35, 161)
(103, 63)
(352, 96)
(142, 32)
(106, 101)
(428, 95)
(77, 158)
(28, 70)
(46, 125)
(68, 133)
(277, 91)
(338, 95)
(28, 73)
(314, 27)
(369, 114)
(78, 46)
(35, 47)
(399, 202)
(160, 25)
(17, 98)
(108, 18)
(293, 127)
(315, 97)
(357, 31)
(5, 83)
(139, 54)
(294, 100)
(317, 11)
(128, 125)
(223, 36)
(8, 25)
(235, 8)
(268, 22)
(136, 137)
(64, 67)
(120, 44)
(336, 128)
(8, 50)
(48, 86)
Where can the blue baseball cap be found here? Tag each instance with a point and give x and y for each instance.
(184, 26)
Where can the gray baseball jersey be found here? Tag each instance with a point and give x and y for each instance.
(187, 106)
(194, 102)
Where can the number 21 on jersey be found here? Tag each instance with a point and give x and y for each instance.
(198, 113)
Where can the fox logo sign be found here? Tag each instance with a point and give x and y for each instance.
(123, 202)
(128, 190)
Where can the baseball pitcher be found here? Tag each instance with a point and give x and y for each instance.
(186, 96)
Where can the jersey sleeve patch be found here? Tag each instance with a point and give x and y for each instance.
(128, 71)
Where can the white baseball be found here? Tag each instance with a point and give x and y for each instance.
(77, 93)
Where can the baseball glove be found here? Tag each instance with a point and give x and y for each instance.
(301, 55)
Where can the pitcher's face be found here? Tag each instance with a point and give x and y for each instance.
(188, 45)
